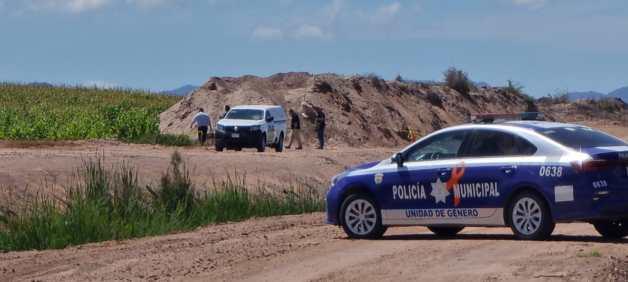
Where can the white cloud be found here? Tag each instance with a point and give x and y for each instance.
(532, 4)
(100, 84)
(386, 13)
(154, 3)
(79, 6)
(333, 9)
(75, 6)
(267, 33)
(308, 31)
(83, 5)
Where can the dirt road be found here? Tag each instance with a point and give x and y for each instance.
(292, 248)
(45, 168)
(301, 248)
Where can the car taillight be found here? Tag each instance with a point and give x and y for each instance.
(591, 165)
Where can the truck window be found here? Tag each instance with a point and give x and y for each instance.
(246, 114)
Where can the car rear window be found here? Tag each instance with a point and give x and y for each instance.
(492, 143)
(245, 114)
(581, 137)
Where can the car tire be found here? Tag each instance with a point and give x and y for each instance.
(238, 149)
(279, 145)
(530, 217)
(361, 218)
(261, 144)
(219, 148)
(445, 231)
(612, 229)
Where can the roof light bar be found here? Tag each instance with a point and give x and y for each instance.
(493, 118)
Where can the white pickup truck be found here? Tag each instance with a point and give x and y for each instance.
(252, 126)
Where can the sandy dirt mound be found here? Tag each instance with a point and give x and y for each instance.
(361, 110)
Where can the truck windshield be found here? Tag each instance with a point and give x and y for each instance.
(581, 137)
(245, 114)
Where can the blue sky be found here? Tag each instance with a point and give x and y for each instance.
(545, 45)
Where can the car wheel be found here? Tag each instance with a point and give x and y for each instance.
(279, 145)
(219, 148)
(261, 145)
(530, 217)
(238, 149)
(612, 229)
(445, 231)
(361, 218)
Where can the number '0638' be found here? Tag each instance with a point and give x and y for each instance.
(551, 171)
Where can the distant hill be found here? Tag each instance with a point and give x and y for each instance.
(181, 91)
(621, 93)
(585, 95)
(40, 84)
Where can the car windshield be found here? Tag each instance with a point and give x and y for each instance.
(581, 137)
(245, 114)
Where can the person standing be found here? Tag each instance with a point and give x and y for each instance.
(203, 124)
(320, 127)
(295, 126)
(227, 109)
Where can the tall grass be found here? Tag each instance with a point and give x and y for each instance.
(111, 205)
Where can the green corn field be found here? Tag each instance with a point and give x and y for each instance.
(41, 112)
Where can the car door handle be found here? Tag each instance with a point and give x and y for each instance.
(444, 171)
(509, 169)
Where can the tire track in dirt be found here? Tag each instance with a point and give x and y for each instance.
(301, 248)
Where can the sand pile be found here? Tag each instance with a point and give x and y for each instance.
(360, 110)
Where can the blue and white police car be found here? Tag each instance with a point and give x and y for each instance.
(526, 174)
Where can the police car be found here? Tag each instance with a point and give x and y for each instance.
(526, 174)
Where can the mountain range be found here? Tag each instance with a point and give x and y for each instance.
(621, 93)
(181, 91)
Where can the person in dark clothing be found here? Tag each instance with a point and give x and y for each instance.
(227, 108)
(295, 126)
(320, 128)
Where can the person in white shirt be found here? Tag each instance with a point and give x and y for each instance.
(203, 124)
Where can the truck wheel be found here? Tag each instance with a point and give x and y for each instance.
(445, 231)
(361, 218)
(530, 217)
(261, 145)
(279, 145)
(219, 148)
(612, 229)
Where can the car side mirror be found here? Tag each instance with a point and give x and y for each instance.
(269, 119)
(398, 159)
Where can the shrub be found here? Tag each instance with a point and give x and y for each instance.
(377, 82)
(176, 192)
(561, 97)
(514, 88)
(174, 140)
(323, 87)
(458, 80)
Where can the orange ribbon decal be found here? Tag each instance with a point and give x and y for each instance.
(456, 174)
